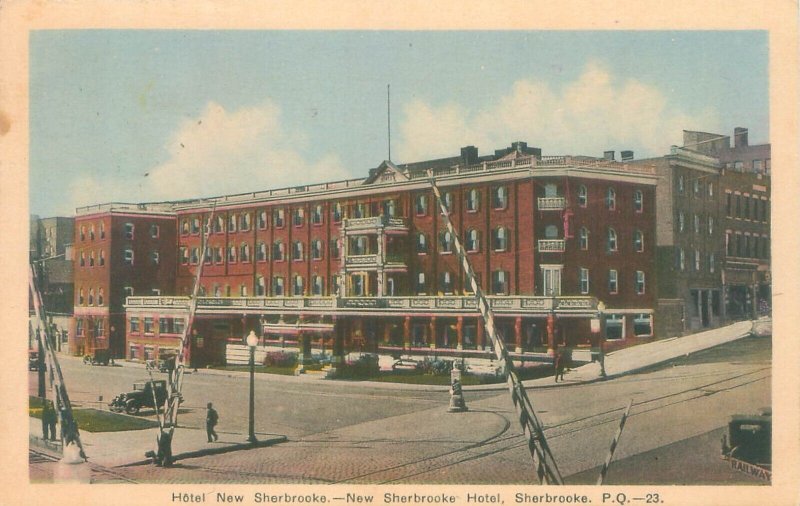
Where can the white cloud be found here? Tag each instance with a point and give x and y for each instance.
(594, 113)
(223, 152)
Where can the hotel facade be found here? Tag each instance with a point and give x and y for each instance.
(368, 265)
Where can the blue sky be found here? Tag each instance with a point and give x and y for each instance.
(137, 115)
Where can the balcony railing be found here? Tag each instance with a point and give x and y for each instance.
(400, 305)
(551, 245)
(551, 203)
(361, 261)
(374, 223)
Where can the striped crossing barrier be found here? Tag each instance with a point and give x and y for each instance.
(546, 469)
(607, 463)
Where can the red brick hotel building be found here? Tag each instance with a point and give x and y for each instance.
(367, 264)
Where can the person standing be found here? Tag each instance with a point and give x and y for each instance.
(560, 365)
(211, 421)
(49, 419)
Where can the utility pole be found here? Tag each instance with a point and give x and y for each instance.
(546, 468)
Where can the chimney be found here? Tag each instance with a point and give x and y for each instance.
(608, 155)
(739, 137)
(469, 155)
(627, 156)
(519, 146)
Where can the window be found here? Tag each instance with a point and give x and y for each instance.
(681, 221)
(209, 256)
(91, 259)
(639, 282)
(91, 232)
(134, 323)
(261, 286)
(696, 260)
(611, 199)
(421, 205)
(79, 326)
(681, 184)
(583, 277)
(390, 208)
(337, 212)
(148, 324)
(681, 259)
(500, 197)
(583, 196)
(185, 227)
(500, 239)
(710, 225)
(728, 202)
(612, 240)
(335, 250)
(643, 324)
(421, 283)
(277, 286)
(216, 290)
(738, 199)
(245, 221)
(336, 284)
(278, 251)
(551, 232)
(316, 285)
(195, 225)
(583, 238)
(262, 219)
(299, 217)
(499, 283)
(83, 259)
(102, 230)
(473, 199)
(359, 211)
(696, 187)
(696, 223)
(154, 257)
(316, 249)
(473, 240)
(102, 259)
(98, 327)
(80, 297)
(219, 224)
(613, 285)
(447, 283)
(242, 290)
(231, 254)
(154, 231)
(447, 199)
(83, 233)
(297, 251)
(155, 291)
(738, 166)
(446, 240)
(129, 230)
(244, 252)
(357, 283)
(422, 243)
(195, 258)
(298, 285)
(710, 189)
(219, 255)
(278, 218)
(638, 201)
(358, 245)
(711, 262)
(638, 241)
(128, 257)
(316, 214)
(232, 222)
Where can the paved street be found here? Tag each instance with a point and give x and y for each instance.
(346, 433)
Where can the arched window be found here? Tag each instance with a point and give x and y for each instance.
(583, 196)
(473, 240)
(611, 199)
(316, 249)
(262, 219)
(447, 282)
(446, 242)
(299, 217)
(81, 299)
(421, 205)
(473, 199)
(261, 286)
(232, 222)
(91, 233)
(638, 201)
(298, 285)
(231, 254)
(422, 243)
(316, 285)
(102, 259)
(297, 251)
(91, 259)
(316, 214)
(261, 253)
(638, 241)
(244, 221)
(500, 197)
(337, 212)
(91, 296)
(612, 240)
(277, 286)
(244, 251)
(583, 236)
(421, 283)
(278, 251)
(551, 232)
(102, 230)
(500, 239)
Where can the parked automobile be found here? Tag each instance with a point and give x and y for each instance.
(98, 357)
(145, 394)
(33, 360)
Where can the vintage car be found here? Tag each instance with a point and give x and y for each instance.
(145, 394)
(101, 356)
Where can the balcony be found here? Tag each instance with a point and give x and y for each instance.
(374, 224)
(365, 261)
(551, 245)
(551, 203)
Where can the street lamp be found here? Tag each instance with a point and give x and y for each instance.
(252, 341)
(601, 308)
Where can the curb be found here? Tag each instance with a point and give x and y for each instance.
(213, 451)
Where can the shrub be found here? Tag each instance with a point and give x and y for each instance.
(280, 359)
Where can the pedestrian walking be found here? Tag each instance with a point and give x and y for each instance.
(48, 421)
(211, 421)
(559, 366)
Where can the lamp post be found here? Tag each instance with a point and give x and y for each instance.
(601, 308)
(252, 341)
